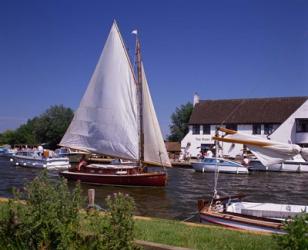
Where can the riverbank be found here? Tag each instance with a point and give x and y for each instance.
(194, 235)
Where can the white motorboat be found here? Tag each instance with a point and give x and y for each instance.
(6, 153)
(210, 164)
(33, 159)
(285, 166)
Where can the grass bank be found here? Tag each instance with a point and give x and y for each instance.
(199, 237)
(193, 236)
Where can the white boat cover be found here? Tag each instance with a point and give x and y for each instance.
(267, 210)
(154, 147)
(106, 120)
(267, 151)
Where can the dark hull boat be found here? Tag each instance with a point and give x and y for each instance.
(155, 179)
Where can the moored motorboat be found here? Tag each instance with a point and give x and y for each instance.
(295, 166)
(211, 164)
(6, 153)
(34, 159)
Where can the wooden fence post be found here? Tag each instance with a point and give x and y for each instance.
(91, 197)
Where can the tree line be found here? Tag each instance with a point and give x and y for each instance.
(49, 127)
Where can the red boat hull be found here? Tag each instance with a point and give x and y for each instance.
(157, 179)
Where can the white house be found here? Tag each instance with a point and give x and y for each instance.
(282, 119)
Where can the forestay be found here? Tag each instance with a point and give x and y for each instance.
(154, 147)
(106, 120)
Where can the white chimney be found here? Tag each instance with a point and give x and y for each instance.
(196, 99)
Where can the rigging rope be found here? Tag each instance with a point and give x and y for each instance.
(192, 216)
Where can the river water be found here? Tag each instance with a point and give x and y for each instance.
(178, 200)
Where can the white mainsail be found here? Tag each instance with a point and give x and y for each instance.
(154, 147)
(267, 151)
(106, 120)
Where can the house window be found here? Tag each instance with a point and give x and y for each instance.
(301, 125)
(231, 126)
(256, 129)
(196, 129)
(268, 128)
(206, 129)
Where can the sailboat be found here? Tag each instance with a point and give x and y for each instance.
(274, 155)
(231, 212)
(116, 118)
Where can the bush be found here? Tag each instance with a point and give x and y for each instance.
(51, 219)
(297, 234)
(120, 235)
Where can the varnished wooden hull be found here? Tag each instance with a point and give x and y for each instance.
(157, 179)
(239, 221)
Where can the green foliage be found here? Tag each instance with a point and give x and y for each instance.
(51, 125)
(47, 128)
(121, 232)
(297, 234)
(25, 134)
(8, 137)
(51, 219)
(179, 122)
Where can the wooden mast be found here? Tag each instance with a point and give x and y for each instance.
(140, 96)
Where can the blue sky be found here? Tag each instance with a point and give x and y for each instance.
(220, 49)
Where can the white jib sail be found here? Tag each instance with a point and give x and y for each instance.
(154, 147)
(106, 120)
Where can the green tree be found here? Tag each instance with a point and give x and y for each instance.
(8, 137)
(51, 125)
(47, 128)
(179, 122)
(297, 234)
(25, 134)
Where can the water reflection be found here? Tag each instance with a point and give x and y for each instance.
(178, 199)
